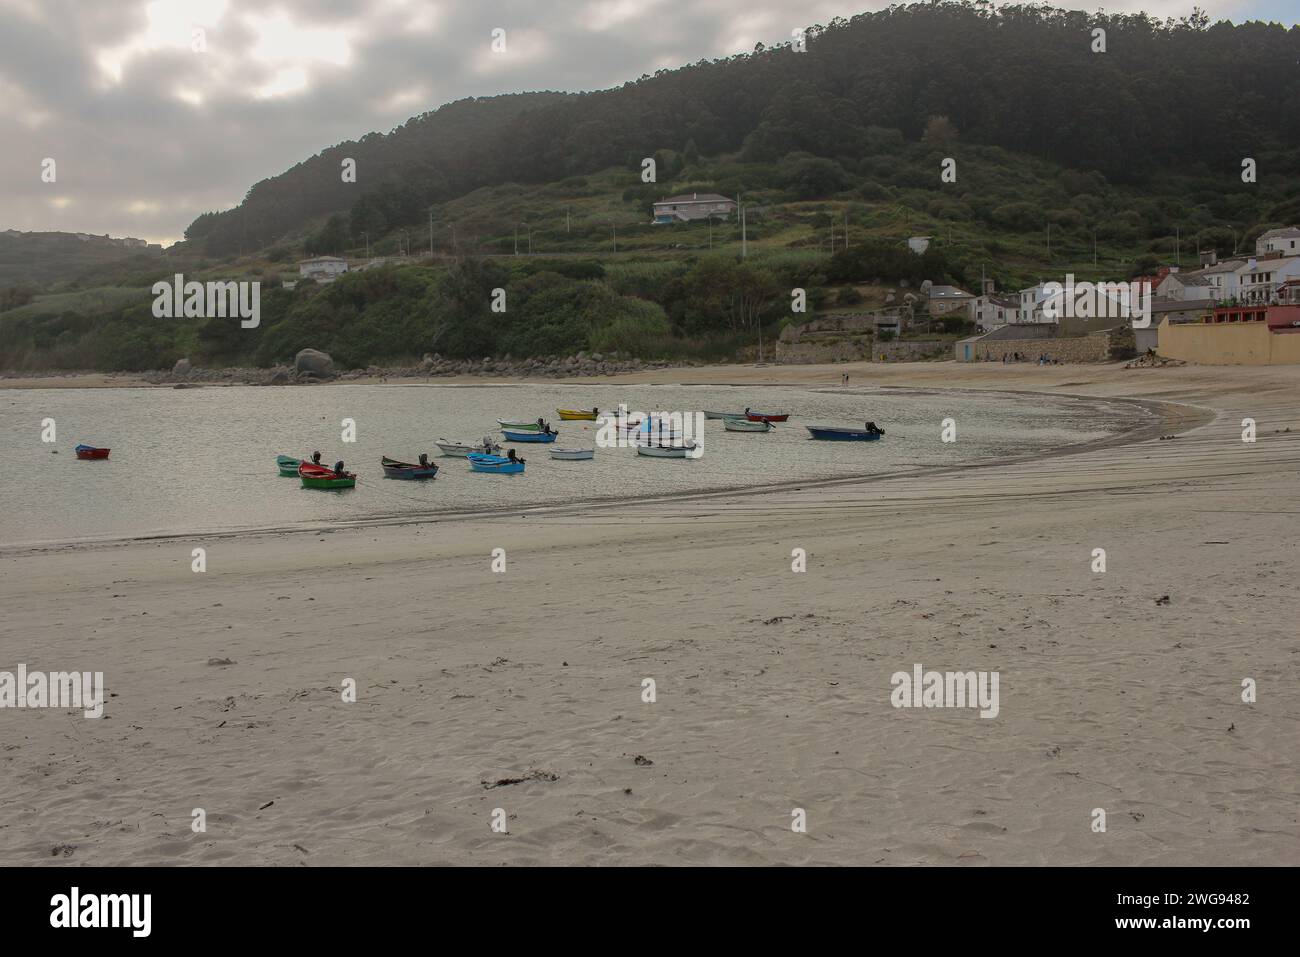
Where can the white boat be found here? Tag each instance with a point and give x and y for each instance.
(667, 451)
(484, 447)
(573, 455)
(744, 425)
(723, 415)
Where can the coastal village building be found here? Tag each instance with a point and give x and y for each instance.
(944, 300)
(322, 268)
(1265, 276)
(684, 209)
(1031, 302)
(1285, 241)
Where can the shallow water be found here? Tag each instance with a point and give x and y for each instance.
(203, 460)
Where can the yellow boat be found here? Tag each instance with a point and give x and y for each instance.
(577, 415)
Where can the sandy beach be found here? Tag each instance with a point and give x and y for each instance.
(522, 690)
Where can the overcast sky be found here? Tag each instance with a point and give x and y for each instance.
(146, 132)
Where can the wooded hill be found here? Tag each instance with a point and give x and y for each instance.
(1183, 98)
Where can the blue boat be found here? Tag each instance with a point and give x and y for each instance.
(513, 436)
(494, 463)
(830, 434)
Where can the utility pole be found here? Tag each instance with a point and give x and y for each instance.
(846, 229)
(1094, 247)
(1049, 242)
(614, 226)
(1178, 241)
(566, 220)
(431, 232)
(367, 238)
(516, 239)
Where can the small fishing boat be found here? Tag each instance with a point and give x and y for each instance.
(500, 464)
(521, 426)
(667, 451)
(287, 465)
(747, 425)
(578, 415)
(723, 415)
(831, 434)
(318, 476)
(766, 416)
(485, 447)
(573, 455)
(407, 470)
(518, 436)
(90, 452)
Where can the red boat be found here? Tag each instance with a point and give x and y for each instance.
(766, 416)
(90, 452)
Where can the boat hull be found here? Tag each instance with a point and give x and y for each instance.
(91, 453)
(573, 455)
(519, 426)
(666, 452)
(462, 449)
(577, 415)
(723, 415)
(406, 470)
(767, 416)
(746, 425)
(495, 464)
(317, 476)
(842, 435)
(520, 436)
(287, 465)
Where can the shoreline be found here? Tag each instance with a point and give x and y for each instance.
(1173, 417)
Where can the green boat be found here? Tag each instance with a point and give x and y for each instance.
(288, 465)
(317, 476)
(520, 426)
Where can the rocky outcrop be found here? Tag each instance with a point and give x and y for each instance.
(314, 363)
(182, 367)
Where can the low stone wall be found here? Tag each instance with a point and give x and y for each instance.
(816, 350)
(1096, 347)
(907, 349)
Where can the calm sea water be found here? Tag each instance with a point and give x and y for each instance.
(203, 460)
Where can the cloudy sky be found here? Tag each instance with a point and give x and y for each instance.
(156, 111)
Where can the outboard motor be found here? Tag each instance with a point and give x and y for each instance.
(315, 458)
(338, 466)
(424, 459)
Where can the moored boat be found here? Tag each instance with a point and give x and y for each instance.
(513, 435)
(747, 425)
(667, 451)
(318, 476)
(91, 452)
(573, 455)
(723, 415)
(500, 464)
(577, 415)
(521, 426)
(766, 416)
(287, 465)
(462, 449)
(834, 434)
(408, 470)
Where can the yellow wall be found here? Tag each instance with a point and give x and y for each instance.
(1228, 344)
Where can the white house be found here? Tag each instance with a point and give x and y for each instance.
(1031, 304)
(1285, 240)
(1263, 277)
(322, 268)
(683, 208)
(1183, 285)
(1223, 279)
(993, 311)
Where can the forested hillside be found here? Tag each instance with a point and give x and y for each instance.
(1185, 97)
